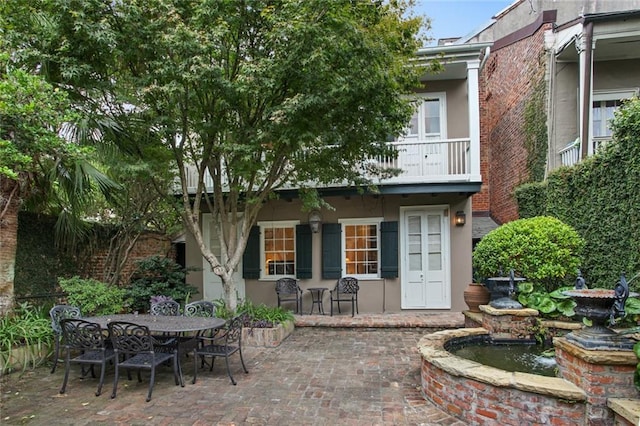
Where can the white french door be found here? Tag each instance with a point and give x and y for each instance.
(425, 258)
(212, 283)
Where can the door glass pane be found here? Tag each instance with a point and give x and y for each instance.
(432, 116)
(434, 242)
(414, 239)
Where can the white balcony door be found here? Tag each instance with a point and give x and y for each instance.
(425, 258)
(212, 283)
(428, 123)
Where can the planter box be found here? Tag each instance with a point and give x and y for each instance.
(267, 337)
(23, 357)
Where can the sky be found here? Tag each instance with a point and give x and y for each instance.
(457, 18)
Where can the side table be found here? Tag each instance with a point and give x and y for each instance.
(316, 298)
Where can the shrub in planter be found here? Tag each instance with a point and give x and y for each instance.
(158, 275)
(25, 338)
(543, 249)
(92, 296)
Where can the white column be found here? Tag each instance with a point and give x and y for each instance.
(473, 91)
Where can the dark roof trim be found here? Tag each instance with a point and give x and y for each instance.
(611, 16)
(467, 188)
(548, 16)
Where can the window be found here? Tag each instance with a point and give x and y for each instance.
(428, 122)
(361, 247)
(605, 103)
(278, 249)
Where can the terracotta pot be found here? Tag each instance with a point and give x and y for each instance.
(475, 295)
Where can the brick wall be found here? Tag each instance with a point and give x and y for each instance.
(147, 245)
(508, 79)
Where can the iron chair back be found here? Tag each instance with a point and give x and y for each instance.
(88, 339)
(288, 290)
(200, 308)
(224, 343)
(166, 307)
(57, 314)
(346, 290)
(140, 350)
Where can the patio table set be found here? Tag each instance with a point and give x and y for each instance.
(143, 342)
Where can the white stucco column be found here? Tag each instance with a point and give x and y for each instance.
(473, 91)
(584, 46)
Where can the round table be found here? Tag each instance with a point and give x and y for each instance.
(316, 298)
(162, 323)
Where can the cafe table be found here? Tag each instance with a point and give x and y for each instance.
(186, 329)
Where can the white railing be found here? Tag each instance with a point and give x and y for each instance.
(432, 161)
(570, 155)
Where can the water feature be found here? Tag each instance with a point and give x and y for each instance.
(525, 356)
(503, 291)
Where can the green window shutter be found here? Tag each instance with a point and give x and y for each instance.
(251, 256)
(304, 255)
(389, 249)
(331, 250)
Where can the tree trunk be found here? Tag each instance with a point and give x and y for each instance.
(9, 207)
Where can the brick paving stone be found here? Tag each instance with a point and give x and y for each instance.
(320, 375)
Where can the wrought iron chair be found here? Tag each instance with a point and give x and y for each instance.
(200, 308)
(224, 343)
(166, 307)
(288, 290)
(346, 290)
(57, 313)
(87, 338)
(141, 350)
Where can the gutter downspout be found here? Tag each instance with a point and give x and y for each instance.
(586, 90)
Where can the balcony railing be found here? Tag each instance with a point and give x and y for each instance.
(570, 155)
(432, 161)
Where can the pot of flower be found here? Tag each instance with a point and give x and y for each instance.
(476, 294)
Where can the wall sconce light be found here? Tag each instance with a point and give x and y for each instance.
(315, 220)
(461, 218)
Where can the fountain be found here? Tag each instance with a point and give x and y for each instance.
(599, 306)
(503, 291)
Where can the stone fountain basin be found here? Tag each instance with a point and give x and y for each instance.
(471, 391)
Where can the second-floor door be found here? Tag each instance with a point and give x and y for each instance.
(425, 156)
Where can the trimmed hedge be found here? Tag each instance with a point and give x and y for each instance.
(600, 198)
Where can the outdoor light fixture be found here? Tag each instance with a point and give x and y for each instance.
(314, 221)
(461, 218)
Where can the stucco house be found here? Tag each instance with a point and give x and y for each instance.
(409, 245)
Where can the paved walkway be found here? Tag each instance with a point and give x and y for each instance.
(323, 374)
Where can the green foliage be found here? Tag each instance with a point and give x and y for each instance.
(158, 276)
(93, 297)
(26, 326)
(549, 304)
(263, 93)
(599, 198)
(535, 132)
(531, 199)
(542, 249)
(260, 316)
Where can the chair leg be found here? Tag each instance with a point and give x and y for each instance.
(67, 366)
(115, 381)
(242, 361)
(102, 368)
(56, 355)
(151, 381)
(195, 367)
(226, 358)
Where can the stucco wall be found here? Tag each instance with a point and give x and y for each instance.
(376, 295)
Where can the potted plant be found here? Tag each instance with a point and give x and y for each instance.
(476, 294)
(544, 250)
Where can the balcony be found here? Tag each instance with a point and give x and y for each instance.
(570, 155)
(432, 161)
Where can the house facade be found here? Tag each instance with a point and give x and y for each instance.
(405, 243)
(582, 58)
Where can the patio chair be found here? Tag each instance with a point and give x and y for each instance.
(140, 350)
(166, 307)
(224, 343)
(288, 290)
(57, 313)
(346, 290)
(89, 340)
(200, 308)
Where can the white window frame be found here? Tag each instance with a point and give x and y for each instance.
(263, 261)
(360, 221)
(604, 96)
